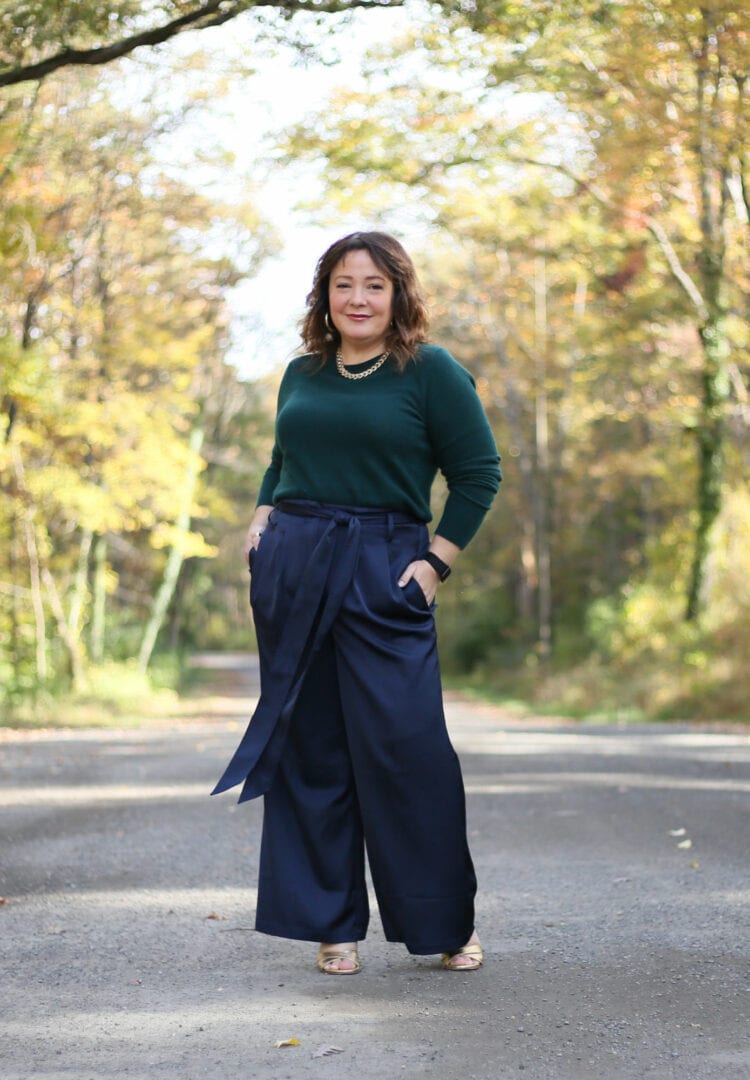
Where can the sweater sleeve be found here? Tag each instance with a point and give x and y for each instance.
(464, 447)
(272, 474)
(271, 478)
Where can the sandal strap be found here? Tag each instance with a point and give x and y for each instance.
(337, 954)
(328, 956)
(474, 952)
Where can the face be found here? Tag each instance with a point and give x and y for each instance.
(360, 297)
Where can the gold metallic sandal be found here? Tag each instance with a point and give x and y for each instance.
(329, 955)
(472, 951)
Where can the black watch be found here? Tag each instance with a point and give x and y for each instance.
(441, 568)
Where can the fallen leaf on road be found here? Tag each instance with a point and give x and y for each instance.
(685, 844)
(213, 915)
(677, 832)
(3, 900)
(287, 1042)
(326, 1051)
(695, 865)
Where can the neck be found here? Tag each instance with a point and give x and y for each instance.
(352, 354)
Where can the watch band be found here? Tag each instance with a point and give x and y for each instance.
(441, 568)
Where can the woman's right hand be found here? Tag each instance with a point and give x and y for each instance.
(257, 525)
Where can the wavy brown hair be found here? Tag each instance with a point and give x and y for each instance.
(409, 319)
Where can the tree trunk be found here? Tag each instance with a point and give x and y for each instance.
(32, 557)
(99, 600)
(711, 435)
(71, 642)
(713, 176)
(175, 558)
(512, 406)
(15, 606)
(37, 602)
(80, 584)
(541, 430)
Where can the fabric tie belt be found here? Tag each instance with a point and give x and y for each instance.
(316, 602)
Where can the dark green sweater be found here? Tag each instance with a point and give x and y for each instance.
(379, 441)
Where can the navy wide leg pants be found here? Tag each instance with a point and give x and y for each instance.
(348, 744)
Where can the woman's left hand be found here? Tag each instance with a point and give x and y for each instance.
(426, 578)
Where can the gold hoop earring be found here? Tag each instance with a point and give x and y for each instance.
(329, 327)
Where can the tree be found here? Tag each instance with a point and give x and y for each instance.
(97, 32)
(646, 127)
(662, 94)
(113, 300)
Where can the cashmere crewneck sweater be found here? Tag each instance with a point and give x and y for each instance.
(379, 442)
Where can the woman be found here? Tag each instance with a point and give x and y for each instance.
(348, 743)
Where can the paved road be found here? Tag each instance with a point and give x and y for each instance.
(615, 950)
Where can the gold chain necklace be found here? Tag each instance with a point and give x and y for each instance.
(341, 367)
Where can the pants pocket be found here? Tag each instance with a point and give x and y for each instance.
(413, 593)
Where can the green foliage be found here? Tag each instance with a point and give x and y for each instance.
(580, 176)
(582, 256)
(646, 660)
(114, 391)
(114, 695)
(40, 37)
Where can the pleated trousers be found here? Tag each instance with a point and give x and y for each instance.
(348, 744)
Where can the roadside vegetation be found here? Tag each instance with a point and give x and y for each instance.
(577, 182)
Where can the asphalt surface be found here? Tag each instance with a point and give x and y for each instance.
(613, 907)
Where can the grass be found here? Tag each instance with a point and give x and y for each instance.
(115, 695)
(118, 695)
(70, 711)
(528, 707)
(594, 691)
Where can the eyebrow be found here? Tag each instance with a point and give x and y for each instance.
(370, 277)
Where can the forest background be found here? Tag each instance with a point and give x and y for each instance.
(573, 182)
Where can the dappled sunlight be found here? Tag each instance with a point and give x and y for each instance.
(214, 707)
(298, 1010)
(723, 899)
(98, 794)
(200, 902)
(704, 740)
(620, 781)
(606, 742)
(112, 739)
(513, 787)
(244, 662)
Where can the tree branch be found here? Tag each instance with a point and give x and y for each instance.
(211, 13)
(678, 271)
(658, 232)
(208, 14)
(20, 140)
